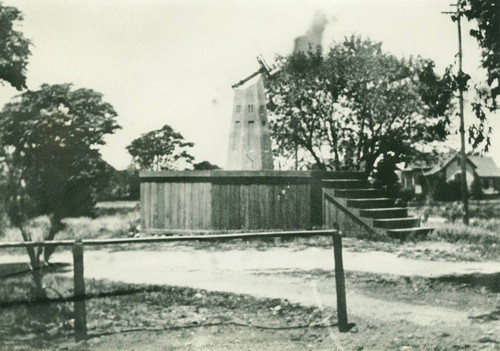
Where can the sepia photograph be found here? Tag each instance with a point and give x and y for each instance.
(249, 175)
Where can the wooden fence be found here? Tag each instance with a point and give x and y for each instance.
(79, 297)
(232, 200)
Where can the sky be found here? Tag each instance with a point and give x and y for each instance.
(173, 61)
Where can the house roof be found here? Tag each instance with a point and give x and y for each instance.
(416, 166)
(443, 164)
(483, 166)
(438, 160)
(486, 167)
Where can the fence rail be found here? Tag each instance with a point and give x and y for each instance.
(200, 237)
(78, 263)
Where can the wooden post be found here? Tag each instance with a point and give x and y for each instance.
(461, 89)
(340, 283)
(79, 293)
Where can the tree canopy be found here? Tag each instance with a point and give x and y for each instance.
(204, 166)
(486, 15)
(14, 48)
(355, 104)
(161, 149)
(485, 19)
(49, 157)
(49, 139)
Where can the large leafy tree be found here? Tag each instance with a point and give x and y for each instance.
(161, 149)
(486, 16)
(14, 48)
(485, 20)
(49, 141)
(356, 105)
(14, 52)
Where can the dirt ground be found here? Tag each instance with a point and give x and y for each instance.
(403, 337)
(395, 303)
(122, 324)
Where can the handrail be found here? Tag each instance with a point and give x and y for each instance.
(344, 209)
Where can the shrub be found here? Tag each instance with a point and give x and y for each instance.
(446, 191)
(453, 211)
(122, 185)
(4, 222)
(407, 194)
(385, 175)
(477, 189)
(485, 211)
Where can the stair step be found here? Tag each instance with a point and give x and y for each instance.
(359, 193)
(402, 234)
(345, 183)
(397, 223)
(370, 203)
(391, 212)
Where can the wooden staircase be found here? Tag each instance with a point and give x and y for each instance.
(355, 200)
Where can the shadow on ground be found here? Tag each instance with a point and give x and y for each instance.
(490, 281)
(9, 270)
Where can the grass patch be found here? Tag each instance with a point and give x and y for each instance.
(491, 224)
(483, 241)
(460, 233)
(114, 220)
(109, 208)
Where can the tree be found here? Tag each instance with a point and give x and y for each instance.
(300, 104)
(14, 48)
(357, 104)
(485, 18)
(204, 165)
(122, 185)
(49, 142)
(486, 15)
(160, 149)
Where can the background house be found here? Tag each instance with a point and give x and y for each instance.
(411, 177)
(487, 173)
(483, 177)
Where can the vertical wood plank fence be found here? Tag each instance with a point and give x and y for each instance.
(232, 200)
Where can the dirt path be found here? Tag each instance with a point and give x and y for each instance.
(268, 274)
(150, 266)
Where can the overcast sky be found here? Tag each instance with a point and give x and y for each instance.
(173, 62)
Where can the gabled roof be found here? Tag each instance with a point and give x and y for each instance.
(483, 166)
(437, 160)
(443, 164)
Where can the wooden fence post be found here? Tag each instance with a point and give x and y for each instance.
(79, 292)
(340, 283)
